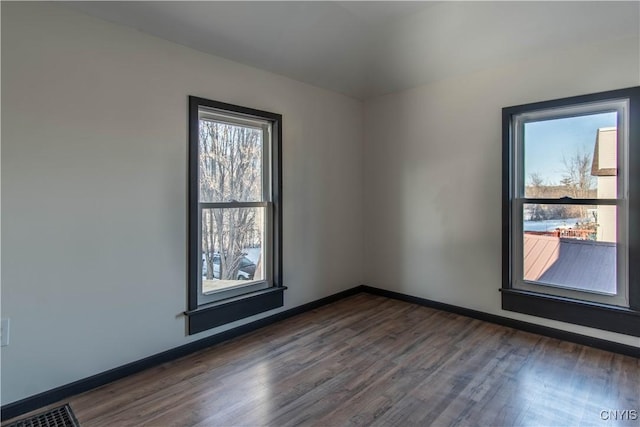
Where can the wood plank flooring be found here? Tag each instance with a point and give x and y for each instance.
(369, 360)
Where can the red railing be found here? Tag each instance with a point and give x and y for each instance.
(569, 233)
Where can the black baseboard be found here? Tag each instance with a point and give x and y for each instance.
(31, 403)
(601, 344)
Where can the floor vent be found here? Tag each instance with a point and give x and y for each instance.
(57, 417)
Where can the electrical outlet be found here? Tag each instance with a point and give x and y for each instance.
(4, 332)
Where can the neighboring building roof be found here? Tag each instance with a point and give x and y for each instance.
(571, 263)
(605, 160)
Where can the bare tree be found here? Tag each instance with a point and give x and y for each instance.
(535, 187)
(577, 175)
(577, 179)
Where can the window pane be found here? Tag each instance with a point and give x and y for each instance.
(230, 162)
(232, 242)
(571, 157)
(570, 246)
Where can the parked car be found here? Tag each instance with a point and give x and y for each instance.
(246, 268)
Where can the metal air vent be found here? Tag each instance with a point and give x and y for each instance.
(57, 417)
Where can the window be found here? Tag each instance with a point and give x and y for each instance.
(234, 213)
(571, 199)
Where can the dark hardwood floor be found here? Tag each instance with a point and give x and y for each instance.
(369, 360)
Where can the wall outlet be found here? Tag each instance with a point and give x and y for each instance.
(4, 332)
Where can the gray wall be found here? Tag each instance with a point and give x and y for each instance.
(94, 128)
(433, 155)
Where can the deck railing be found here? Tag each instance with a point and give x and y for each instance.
(569, 233)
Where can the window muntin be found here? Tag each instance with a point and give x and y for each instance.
(567, 218)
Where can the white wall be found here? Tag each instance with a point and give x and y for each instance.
(433, 174)
(94, 156)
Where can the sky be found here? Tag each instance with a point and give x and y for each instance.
(546, 141)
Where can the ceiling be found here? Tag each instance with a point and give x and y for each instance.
(365, 49)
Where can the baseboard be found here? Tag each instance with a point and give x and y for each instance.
(601, 344)
(31, 403)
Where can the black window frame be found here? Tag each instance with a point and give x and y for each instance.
(202, 317)
(624, 320)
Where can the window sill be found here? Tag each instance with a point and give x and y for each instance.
(229, 310)
(600, 316)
